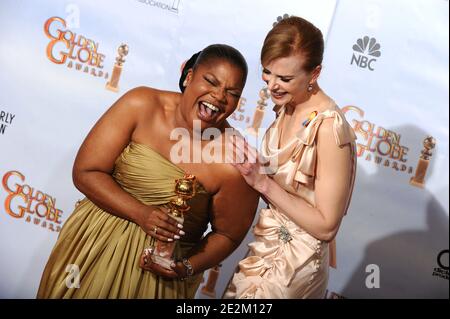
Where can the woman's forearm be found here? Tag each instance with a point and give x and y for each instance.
(309, 218)
(211, 251)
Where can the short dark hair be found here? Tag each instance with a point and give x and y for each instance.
(215, 51)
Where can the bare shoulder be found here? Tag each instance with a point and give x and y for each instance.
(140, 97)
(229, 173)
(232, 182)
(143, 100)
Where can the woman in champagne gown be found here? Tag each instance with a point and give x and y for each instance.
(125, 168)
(311, 151)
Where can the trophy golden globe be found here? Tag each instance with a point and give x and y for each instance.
(113, 84)
(210, 288)
(419, 177)
(185, 189)
(259, 112)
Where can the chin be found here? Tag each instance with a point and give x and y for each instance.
(199, 124)
(281, 101)
(284, 100)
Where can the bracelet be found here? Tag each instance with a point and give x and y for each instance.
(188, 266)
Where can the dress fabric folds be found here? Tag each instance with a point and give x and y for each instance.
(285, 261)
(106, 249)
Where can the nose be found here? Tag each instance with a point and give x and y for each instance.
(272, 84)
(220, 95)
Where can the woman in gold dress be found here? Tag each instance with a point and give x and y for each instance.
(125, 169)
(309, 190)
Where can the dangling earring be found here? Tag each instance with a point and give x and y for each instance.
(310, 87)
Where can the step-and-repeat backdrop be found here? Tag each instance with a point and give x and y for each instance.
(386, 65)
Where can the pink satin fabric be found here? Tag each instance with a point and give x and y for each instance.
(285, 261)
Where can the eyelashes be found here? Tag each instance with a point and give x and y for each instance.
(267, 72)
(209, 81)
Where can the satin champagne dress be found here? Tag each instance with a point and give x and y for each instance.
(107, 249)
(284, 260)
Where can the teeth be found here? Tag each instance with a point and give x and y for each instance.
(210, 106)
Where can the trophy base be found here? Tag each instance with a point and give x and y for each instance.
(208, 293)
(163, 262)
(413, 182)
(111, 88)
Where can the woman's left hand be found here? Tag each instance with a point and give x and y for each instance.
(247, 163)
(178, 270)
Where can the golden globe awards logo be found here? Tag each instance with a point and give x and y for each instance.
(79, 52)
(29, 204)
(379, 145)
(238, 115)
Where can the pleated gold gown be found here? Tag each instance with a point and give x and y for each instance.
(107, 249)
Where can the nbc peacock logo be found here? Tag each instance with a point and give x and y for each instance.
(366, 50)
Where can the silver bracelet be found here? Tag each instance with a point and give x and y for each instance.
(189, 269)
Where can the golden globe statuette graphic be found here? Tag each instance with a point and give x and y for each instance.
(209, 289)
(185, 189)
(259, 112)
(418, 179)
(113, 84)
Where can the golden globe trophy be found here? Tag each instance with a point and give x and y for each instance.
(419, 178)
(113, 84)
(162, 252)
(259, 112)
(209, 289)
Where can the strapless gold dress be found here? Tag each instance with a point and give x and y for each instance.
(107, 249)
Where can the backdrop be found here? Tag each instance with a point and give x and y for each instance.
(386, 65)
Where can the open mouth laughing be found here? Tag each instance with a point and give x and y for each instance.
(208, 112)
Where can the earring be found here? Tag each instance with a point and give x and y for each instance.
(185, 83)
(310, 87)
